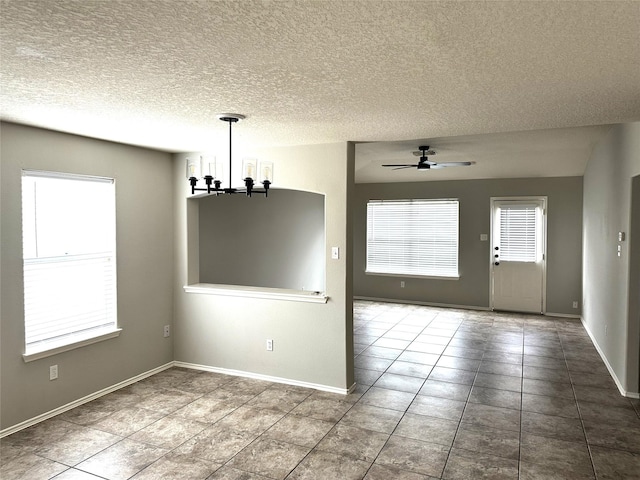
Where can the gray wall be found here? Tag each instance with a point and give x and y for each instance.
(608, 305)
(564, 240)
(313, 343)
(275, 242)
(145, 268)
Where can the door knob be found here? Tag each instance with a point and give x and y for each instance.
(497, 248)
(496, 263)
(496, 255)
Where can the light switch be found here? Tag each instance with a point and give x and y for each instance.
(621, 236)
(484, 237)
(335, 253)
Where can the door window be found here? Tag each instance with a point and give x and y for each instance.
(518, 240)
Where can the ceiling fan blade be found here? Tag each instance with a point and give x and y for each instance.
(405, 166)
(454, 164)
(400, 165)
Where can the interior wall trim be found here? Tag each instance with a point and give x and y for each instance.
(623, 392)
(257, 292)
(449, 305)
(81, 401)
(563, 315)
(426, 304)
(268, 378)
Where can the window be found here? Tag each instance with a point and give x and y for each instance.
(413, 237)
(69, 259)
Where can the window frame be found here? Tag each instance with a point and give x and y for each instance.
(52, 345)
(445, 275)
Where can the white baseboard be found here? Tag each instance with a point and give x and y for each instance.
(563, 315)
(623, 392)
(81, 401)
(426, 304)
(267, 378)
(450, 305)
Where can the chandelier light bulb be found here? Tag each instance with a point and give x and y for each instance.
(249, 168)
(194, 167)
(266, 171)
(209, 166)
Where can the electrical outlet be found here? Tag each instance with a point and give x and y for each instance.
(269, 345)
(53, 372)
(575, 304)
(167, 330)
(402, 284)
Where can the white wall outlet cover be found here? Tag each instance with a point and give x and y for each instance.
(335, 253)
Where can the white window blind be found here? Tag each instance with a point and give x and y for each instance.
(68, 258)
(518, 233)
(413, 237)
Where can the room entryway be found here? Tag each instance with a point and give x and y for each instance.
(518, 254)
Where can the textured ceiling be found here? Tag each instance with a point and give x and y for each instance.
(155, 72)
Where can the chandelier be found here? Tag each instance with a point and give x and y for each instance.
(211, 171)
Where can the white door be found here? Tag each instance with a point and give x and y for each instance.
(518, 254)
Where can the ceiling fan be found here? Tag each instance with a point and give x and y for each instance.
(425, 164)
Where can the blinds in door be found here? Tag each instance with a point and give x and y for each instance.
(519, 233)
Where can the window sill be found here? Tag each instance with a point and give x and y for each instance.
(53, 349)
(424, 277)
(256, 292)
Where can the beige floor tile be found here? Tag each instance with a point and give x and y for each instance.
(353, 442)
(177, 467)
(370, 417)
(329, 466)
(270, 458)
(414, 456)
(615, 464)
(122, 460)
(463, 464)
(299, 430)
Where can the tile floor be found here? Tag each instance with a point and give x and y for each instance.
(441, 394)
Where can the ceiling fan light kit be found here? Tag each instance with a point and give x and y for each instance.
(424, 151)
(207, 168)
(424, 163)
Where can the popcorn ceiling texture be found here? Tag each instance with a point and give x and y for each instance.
(155, 72)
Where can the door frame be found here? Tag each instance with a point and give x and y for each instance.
(523, 199)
